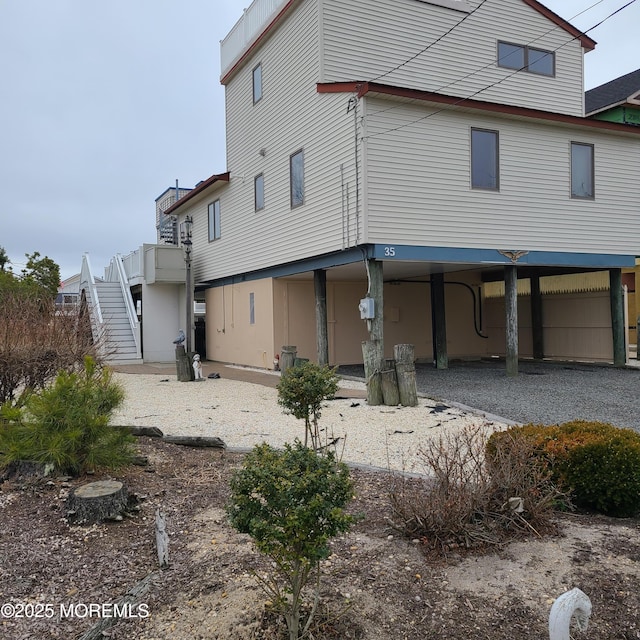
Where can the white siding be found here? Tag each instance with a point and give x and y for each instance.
(419, 184)
(290, 116)
(364, 41)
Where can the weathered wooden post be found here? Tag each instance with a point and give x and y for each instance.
(320, 287)
(406, 373)
(511, 317)
(371, 310)
(183, 365)
(371, 353)
(288, 357)
(617, 317)
(389, 382)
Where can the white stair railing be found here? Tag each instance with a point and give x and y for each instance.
(121, 276)
(87, 282)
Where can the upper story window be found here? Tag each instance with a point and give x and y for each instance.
(582, 170)
(525, 58)
(485, 165)
(258, 184)
(296, 177)
(214, 220)
(257, 83)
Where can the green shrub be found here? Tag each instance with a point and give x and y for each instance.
(66, 425)
(302, 390)
(291, 503)
(596, 461)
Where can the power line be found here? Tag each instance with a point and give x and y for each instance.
(475, 93)
(444, 35)
(491, 64)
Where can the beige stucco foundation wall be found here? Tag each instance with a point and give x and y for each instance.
(231, 337)
(576, 326)
(407, 319)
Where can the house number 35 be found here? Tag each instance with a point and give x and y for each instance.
(389, 251)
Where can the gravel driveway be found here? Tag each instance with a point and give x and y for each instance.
(545, 393)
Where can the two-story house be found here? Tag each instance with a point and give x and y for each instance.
(412, 153)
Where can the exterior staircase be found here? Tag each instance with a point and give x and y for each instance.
(114, 324)
(119, 345)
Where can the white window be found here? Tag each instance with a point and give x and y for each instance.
(296, 176)
(214, 220)
(258, 189)
(485, 165)
(257, 83)
(582, 170)
(525, 58)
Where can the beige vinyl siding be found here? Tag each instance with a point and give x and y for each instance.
(364, 40)
(290, 116)
(423, 197)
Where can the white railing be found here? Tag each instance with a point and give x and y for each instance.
(133, 264)
(246, 30)
(87, 282)
(128, 300)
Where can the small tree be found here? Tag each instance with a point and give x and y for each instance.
(66, 425)
(291, 503)
(302, 390)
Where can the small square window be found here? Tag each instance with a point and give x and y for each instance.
(296, 175)
(259, 192)
(257, 83)
(582, 170)
(485, 166)
(214, 220)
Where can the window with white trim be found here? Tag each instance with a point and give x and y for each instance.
(214, 220)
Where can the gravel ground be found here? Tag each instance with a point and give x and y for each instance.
(543, 393)
(244, 414)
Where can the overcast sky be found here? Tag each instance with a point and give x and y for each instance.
(105, 104)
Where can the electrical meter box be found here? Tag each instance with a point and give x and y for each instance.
(367, 309)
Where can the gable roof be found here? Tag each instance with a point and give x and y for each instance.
(611, 94)
(284, 7)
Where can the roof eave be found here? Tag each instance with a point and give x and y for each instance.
(196, 191)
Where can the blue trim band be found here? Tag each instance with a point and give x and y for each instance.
(442, 255)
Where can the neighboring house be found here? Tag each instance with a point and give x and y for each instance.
(166, 227)
(68, 296)
(411, 153)
(619, 101)
(616, 101)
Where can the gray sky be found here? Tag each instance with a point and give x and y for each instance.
(106, 104)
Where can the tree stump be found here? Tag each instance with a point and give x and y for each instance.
(97, 501)
(288, 357)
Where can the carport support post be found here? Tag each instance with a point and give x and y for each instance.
(373, 349)
(439, 321)
(617, 317)
(537, 332)
(320, 286)
(511, 311)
